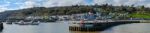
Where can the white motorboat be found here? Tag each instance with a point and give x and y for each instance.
(27, 23)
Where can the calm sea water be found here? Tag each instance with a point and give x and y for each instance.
(63, 28)
(41, 28)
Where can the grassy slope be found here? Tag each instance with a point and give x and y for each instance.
(140, 15)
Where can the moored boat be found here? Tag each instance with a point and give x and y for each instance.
(8, 22)
(27, 23)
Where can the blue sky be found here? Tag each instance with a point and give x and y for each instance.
(21, 4)
(89, 1)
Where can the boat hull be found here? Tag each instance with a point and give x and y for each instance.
(27, 23)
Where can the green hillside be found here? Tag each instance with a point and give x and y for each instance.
(76, 9)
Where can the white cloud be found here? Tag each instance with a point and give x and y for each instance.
(130, 2)
(99, 1)
(8, 2)
(27, 4)
(127, 2)
(118, 2)
(3, 9)
(18, 3)
(52, 3)
(147, 5)
(136, 0)
(39, 0)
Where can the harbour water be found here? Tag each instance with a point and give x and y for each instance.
(41, 28)
(63, 28)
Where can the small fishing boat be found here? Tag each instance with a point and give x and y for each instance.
(23, 23)
(18, 22)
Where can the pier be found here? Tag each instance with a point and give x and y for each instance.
(100, 25)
